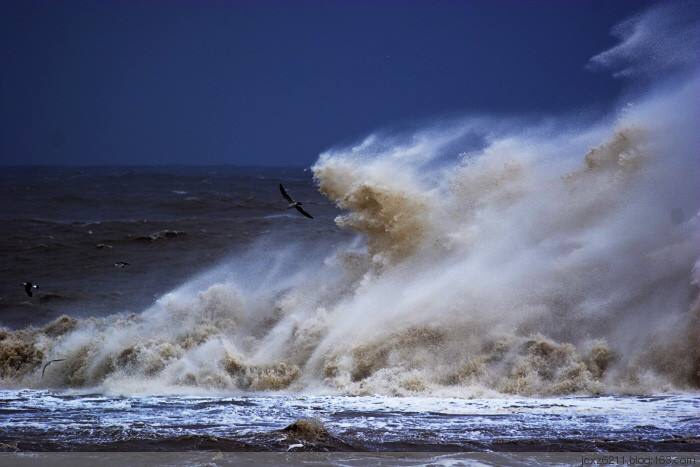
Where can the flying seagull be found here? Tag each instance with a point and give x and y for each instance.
(121, 264)
(29, 286)
(294, 204)
(43, 370)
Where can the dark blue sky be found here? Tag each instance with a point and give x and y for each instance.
(277, 82)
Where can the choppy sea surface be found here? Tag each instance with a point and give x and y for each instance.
(65, 227)
(44, 420)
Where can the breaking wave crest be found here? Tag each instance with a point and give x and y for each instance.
(547, 259)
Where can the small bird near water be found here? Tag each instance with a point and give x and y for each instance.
(121, 264)
(43, 370)
(29, 287)
(294, 204)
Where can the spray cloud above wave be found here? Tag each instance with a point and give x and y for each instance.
(551, 258)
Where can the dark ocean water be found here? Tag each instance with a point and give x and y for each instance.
(64, 228)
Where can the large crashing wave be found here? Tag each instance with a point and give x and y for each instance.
(546, 259)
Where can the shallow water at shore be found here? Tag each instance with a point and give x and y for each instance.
(32, 420)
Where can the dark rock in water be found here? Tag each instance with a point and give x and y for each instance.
(307, 429)
(313, 436)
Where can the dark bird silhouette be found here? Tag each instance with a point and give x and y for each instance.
(43, 370)
(29, 287)
(121, 264)
(294, 204)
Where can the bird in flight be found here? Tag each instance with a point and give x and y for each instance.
(121, 264)
(294, 204)
(29, 287)
(43, 370)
